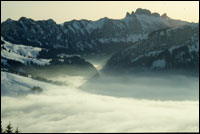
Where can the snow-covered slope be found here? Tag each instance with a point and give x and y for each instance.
(167, 49)
(83, 36)
(15, 85)
(28, 60)
(21, 53)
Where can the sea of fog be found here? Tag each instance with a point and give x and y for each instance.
(108, 104)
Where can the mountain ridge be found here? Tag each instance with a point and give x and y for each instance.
(163, 50)
(84, 36)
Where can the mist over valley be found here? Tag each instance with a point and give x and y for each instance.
(136, 74)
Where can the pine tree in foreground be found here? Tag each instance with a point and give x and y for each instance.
(9, 128)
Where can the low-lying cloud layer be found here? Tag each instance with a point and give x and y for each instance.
(159, 87)
(69, 109)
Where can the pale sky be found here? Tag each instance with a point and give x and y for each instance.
(61, 11)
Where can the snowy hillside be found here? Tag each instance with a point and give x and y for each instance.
(21, 53)
(15, 85)
(27, 60)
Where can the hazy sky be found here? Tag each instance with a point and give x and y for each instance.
(64, 11)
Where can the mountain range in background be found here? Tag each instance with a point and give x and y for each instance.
(142, 40)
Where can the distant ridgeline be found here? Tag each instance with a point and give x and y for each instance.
(140, 41)
(84, 36)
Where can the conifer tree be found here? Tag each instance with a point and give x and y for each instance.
(9, 128)
(17, 130)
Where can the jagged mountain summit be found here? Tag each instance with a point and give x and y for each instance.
(174, 49)
(84, 36)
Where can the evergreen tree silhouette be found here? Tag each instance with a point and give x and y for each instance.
(17, 130)
(9, 128)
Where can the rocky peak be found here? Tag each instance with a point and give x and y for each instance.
(143, 11)
(24, 19)
(130, 15)
(155, 14)
(9, 20)
(127, 14)
(164, 16)
(51, 21)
